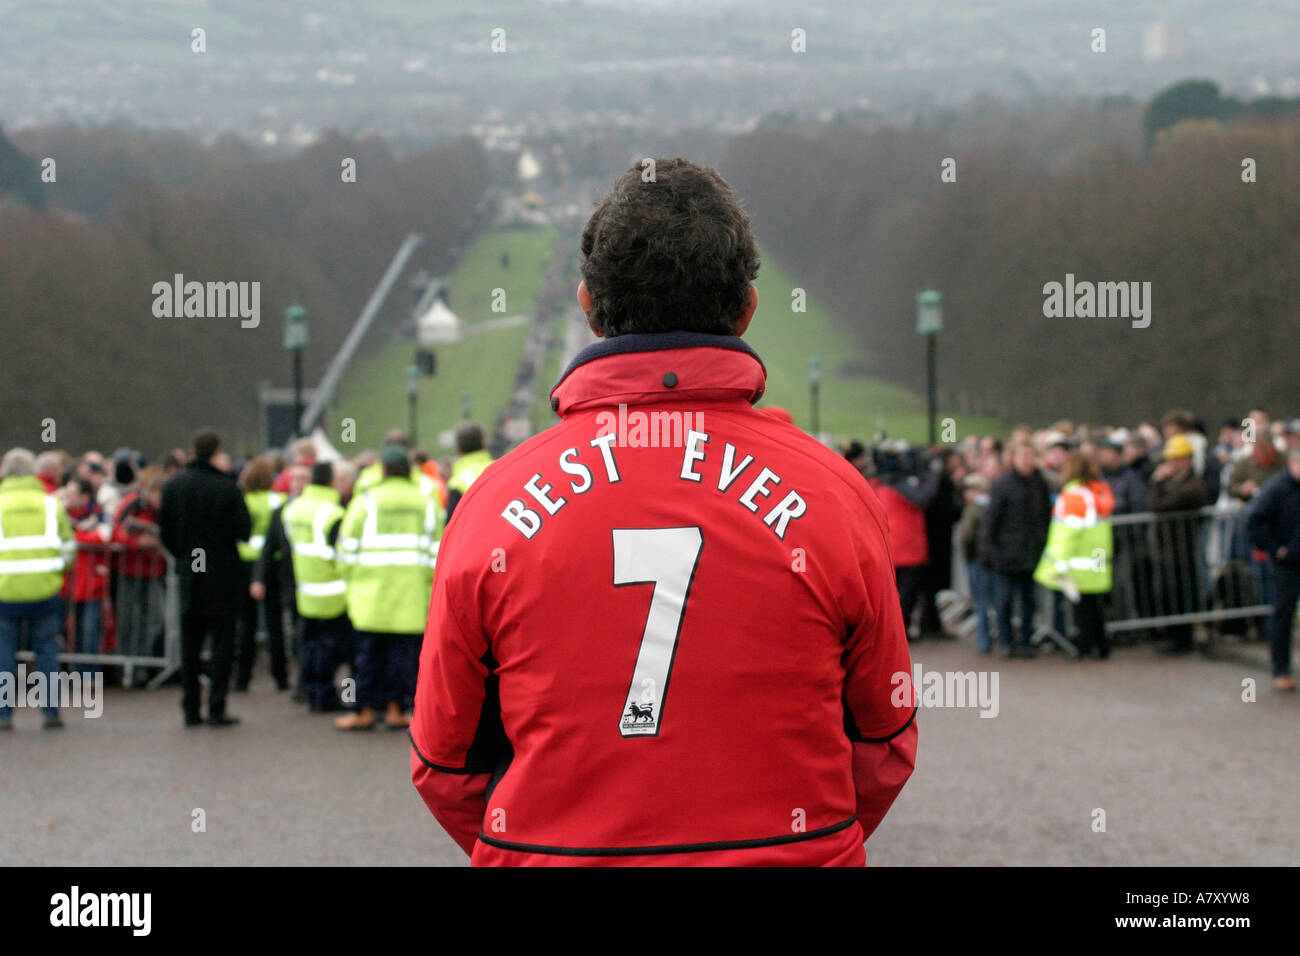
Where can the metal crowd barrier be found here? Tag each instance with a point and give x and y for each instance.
(137, 624)
(1168, 568)
(1185, 567)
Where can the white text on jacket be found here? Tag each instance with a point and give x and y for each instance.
(526, 515)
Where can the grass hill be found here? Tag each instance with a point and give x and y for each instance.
(483, 366)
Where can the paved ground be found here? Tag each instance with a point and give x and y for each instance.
(283, 787)
(1186, 772)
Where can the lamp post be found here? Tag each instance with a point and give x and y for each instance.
(815, 392)
(929, 322)
(295, 340)
(413, 398)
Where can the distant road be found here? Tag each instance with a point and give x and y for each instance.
(577, 334)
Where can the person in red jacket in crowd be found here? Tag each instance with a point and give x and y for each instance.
(141, 567)
(905, 494)
(87, 585)
(666, 630)
(304, 454)
(49, 469)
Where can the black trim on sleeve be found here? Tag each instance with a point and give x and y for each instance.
(851, 728)
(490, 750)
(669, 848)
(466, 770)
(453, 498)
(490, 740)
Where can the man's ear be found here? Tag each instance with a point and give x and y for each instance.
(742, 323)
(584, 300)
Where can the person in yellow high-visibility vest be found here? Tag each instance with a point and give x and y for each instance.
(311, 524)
(1080, 550)
(36, 545)
(373, 473)
(388, 546)
(255, 482)
(473, 461)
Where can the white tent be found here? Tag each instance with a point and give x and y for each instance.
(324, 450)
(439, 324)
(528, 167)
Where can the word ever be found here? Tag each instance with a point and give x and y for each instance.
(946, 689)
(40, 690)
(648, 429)
(102, 909)
(1102, 300)
(528, 520)
(208, 300)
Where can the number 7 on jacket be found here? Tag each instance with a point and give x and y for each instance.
(666, 558)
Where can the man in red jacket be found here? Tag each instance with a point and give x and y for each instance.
(905, 495)
(88, 583)
(665, 631)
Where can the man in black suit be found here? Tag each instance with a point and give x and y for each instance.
(202, 517)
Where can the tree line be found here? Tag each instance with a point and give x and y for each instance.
(1205, 208)
(128, 209)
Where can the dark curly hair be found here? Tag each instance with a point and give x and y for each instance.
(675, 254)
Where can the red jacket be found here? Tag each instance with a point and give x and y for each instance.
(664, 633)
(134, 517)
(907, 539)
(282, 480)
(90, 571)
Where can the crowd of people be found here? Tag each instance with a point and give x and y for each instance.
(342, 550)
(1040, 509)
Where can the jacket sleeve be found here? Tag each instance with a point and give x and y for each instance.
(68, 538)
(968, 529)
(920, 493)
(166, 523)
(879, 700)
(1135, 494)
(457, 737)
(274, 542)
(242, 521)
(1260, 525)
(123, 535)
(345, 548)
(992, 522)
(1171, 495)
(1242, 472)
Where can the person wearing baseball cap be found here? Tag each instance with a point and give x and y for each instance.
(1175, 487)
(388, 544)
(1291, 434)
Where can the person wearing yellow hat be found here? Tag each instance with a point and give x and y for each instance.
(1175, 487)
(1178, 448)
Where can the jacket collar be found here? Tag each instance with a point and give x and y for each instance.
(22, 483)
(666, 366)
(321, 492)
